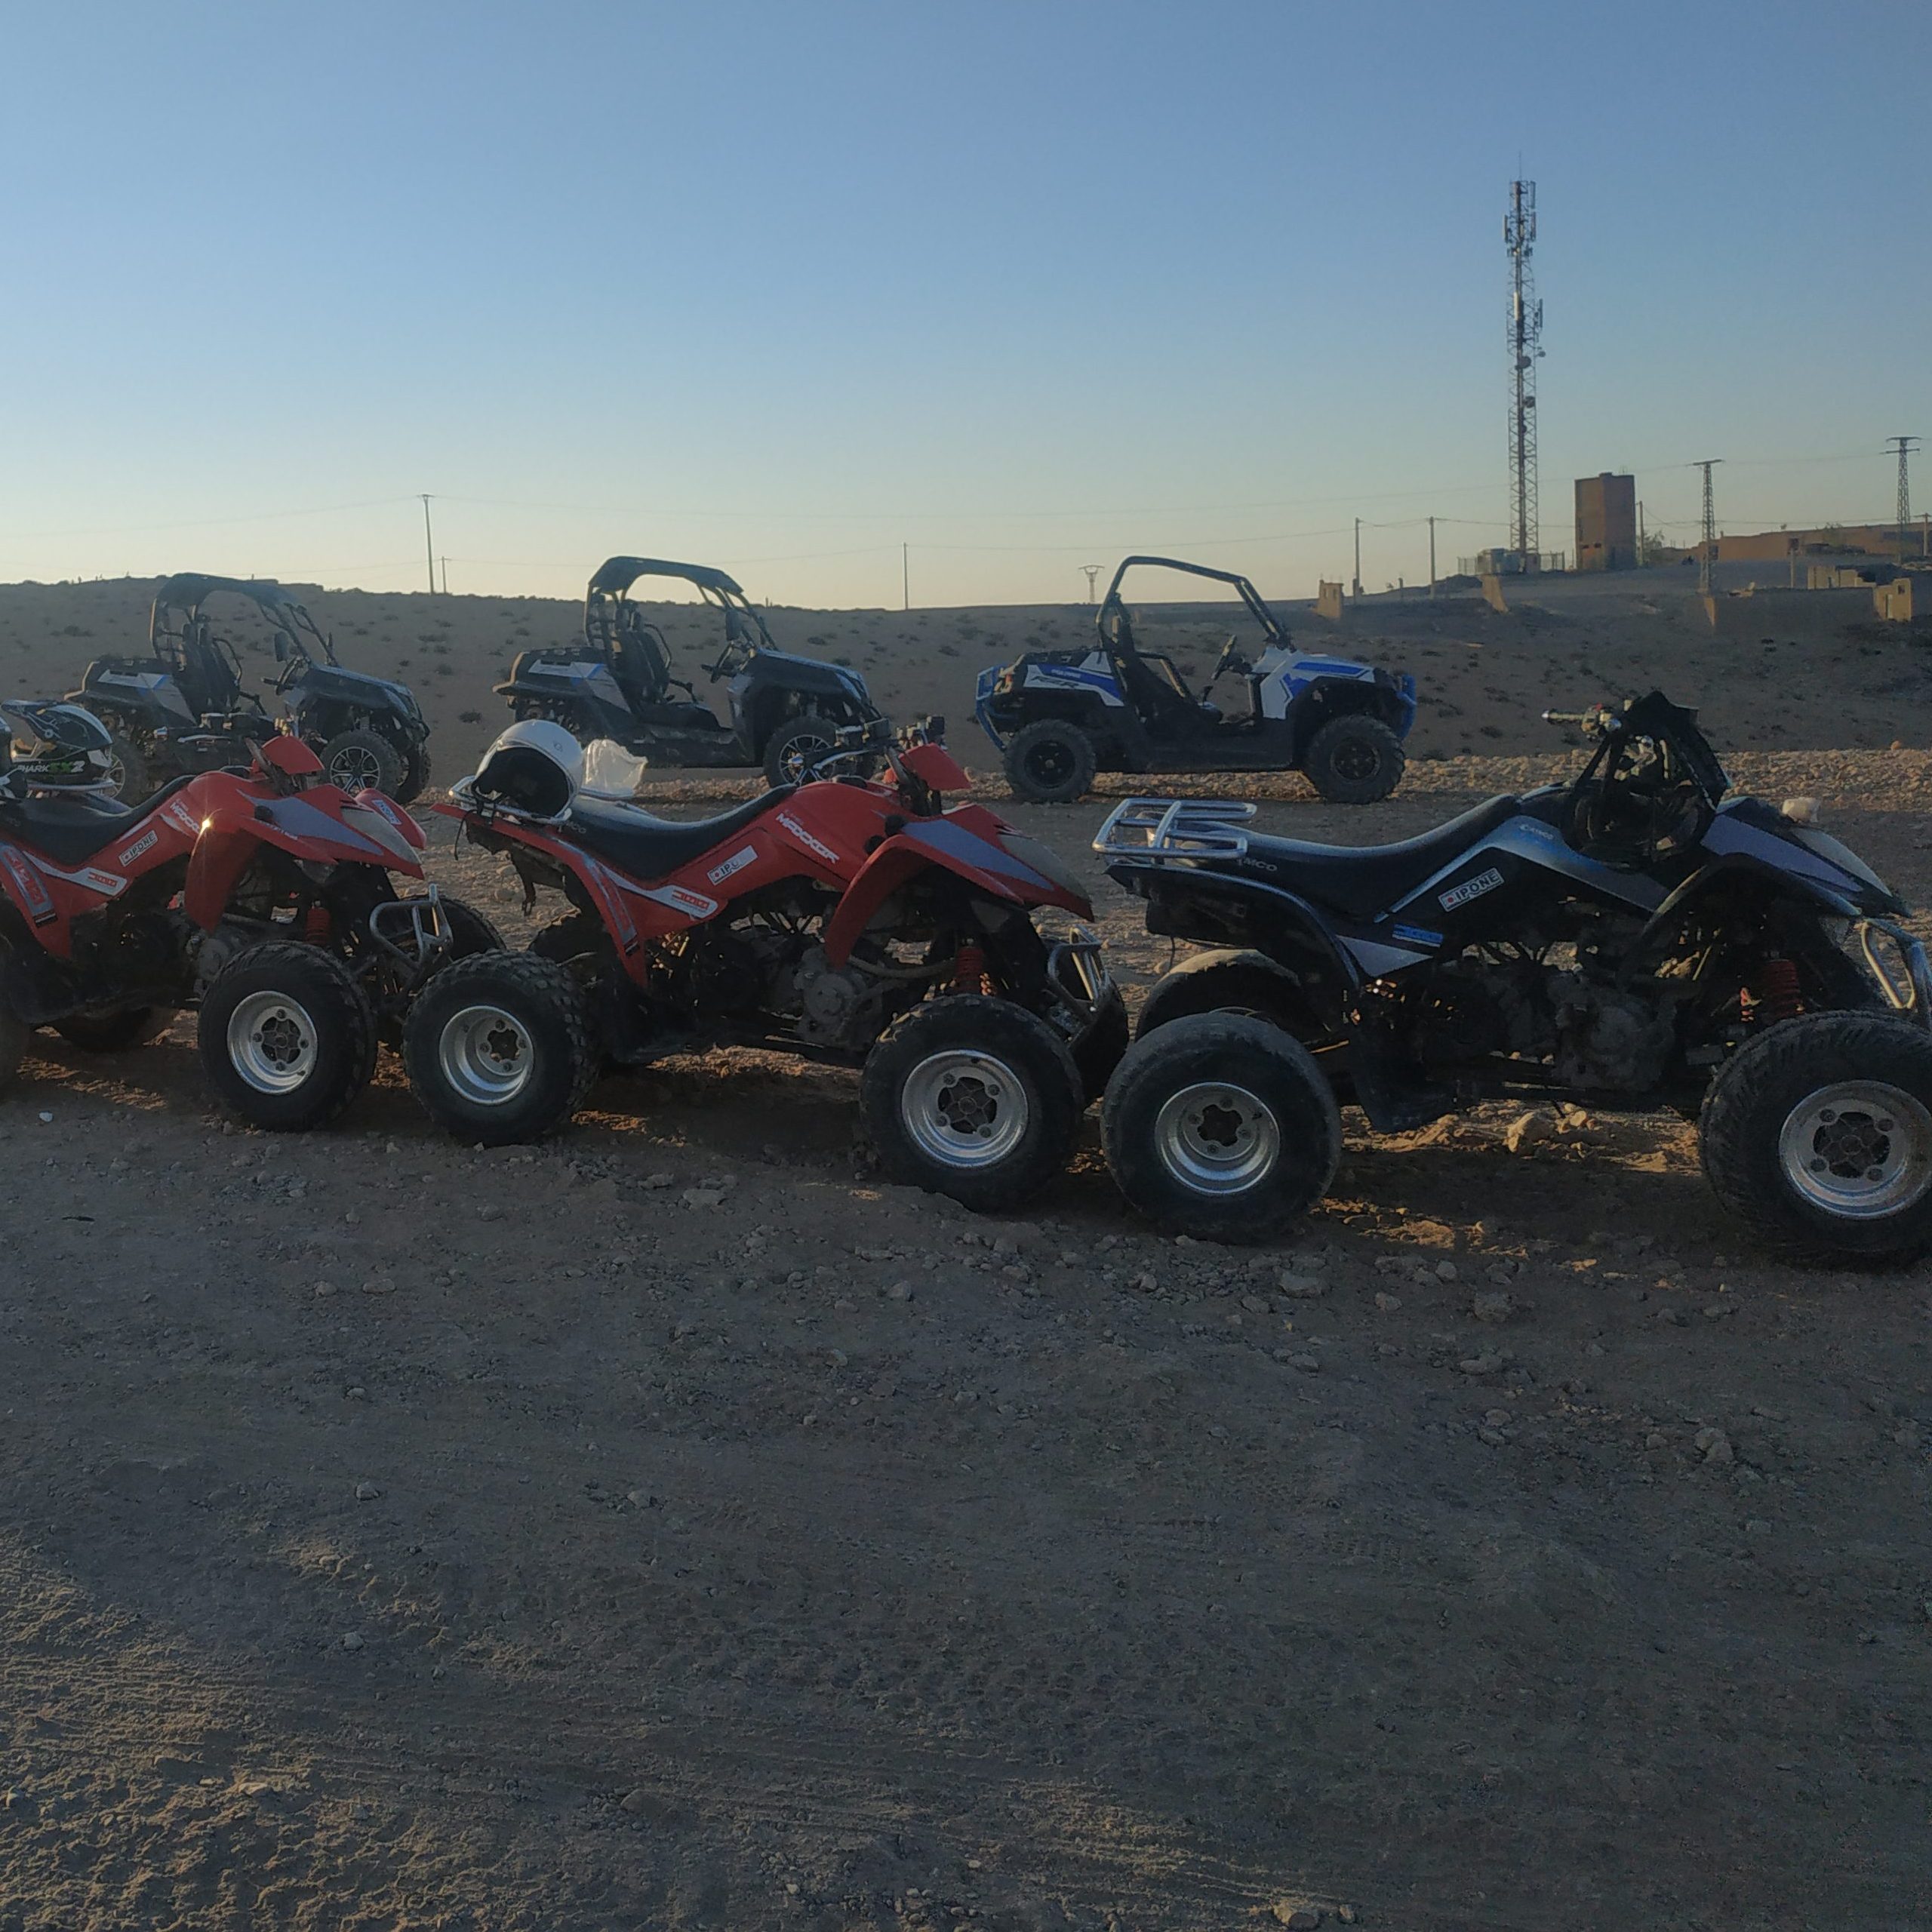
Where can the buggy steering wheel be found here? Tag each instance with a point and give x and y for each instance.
(1227, 660)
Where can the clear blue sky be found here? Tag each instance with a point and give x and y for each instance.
(781, 286)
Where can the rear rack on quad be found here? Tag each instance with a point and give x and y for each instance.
(1175, 829)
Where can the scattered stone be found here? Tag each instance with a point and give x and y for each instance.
(1715, 1311)
(1445, 1271)
(1307, 1364)
(1298, 1288)
(899, 1291)
(1297, 1917)
(351, 1642)
(367, 1492)
(1145, 1282)
(1496, 1418)
(703, 1197)
(1493, 1305)
(1388, 1303)
(1528, 1130)
(1493, 1437)
(1713, 1446)
(658, 1180)
(1480, 1364)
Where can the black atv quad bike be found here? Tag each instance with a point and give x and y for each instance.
(785, 710)
(1060, 716)
(1629, 941)
(183, 708)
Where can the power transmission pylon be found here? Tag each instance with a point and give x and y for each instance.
(1519, 236)
(1903, 445)
(1707, 551)
(1093, 572)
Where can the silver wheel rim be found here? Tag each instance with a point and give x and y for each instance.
(486, 1055)
(1215, 1138)
(793, 763)
(357, 769)
(963, 1109)
(272, 1042)
(1859, 1149)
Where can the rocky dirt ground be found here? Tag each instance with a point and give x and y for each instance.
(672, 1525)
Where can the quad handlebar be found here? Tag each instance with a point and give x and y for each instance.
(1597, 719)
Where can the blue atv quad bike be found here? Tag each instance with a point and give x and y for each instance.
(1060, 716)
(183, 708)
(785, 711)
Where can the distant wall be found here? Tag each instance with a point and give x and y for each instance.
(1876, 539)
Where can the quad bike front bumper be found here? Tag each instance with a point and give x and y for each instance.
(1905, 981)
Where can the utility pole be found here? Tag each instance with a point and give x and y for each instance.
(428, 543)
(445, 562)
(1355, 586)
(906, 573)
(1708, 551)
(1432, 556)
(1643, 548)
(1519, 236)
(1093, 572)
(1903, 445)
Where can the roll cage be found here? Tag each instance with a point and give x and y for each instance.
(1152, 679)
(619, 631)
(182, 635)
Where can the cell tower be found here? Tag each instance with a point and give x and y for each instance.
(1903, 445)
(1519, 237)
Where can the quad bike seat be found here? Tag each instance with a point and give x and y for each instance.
(1363, 880)
(68, 831)
(71, 831)
(647, 846)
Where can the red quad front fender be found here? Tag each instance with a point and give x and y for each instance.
(953, 843)
(313, 825)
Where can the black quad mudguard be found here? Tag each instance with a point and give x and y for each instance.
(1215, 910)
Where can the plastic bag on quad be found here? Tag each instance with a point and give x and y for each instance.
(609, 771)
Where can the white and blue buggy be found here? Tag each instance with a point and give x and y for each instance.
(1060, 716)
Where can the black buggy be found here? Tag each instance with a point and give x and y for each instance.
(785, 710)
(184, 707)
(1060, 716)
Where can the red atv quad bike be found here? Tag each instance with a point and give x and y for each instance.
(849, 920)
(263, 896)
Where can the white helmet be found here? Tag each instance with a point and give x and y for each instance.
(535, 767)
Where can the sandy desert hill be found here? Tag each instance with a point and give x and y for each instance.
(1779, 671)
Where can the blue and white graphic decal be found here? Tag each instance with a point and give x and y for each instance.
(1093, 673)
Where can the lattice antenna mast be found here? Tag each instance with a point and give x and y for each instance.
(1903, 444)
(1519, 237)
(1707, 550)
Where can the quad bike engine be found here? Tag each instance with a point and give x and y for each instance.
(835, 1007)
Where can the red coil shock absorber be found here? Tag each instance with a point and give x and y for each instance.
(1777, 995)
(317, 927)
(969, 970)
